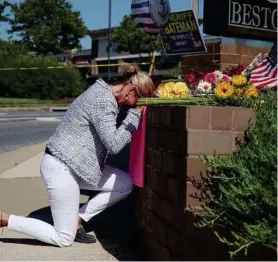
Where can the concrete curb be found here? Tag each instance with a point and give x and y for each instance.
(27, 169)
(24, 109)
(33, 109)
(58, 109)
(11, 159)
(41, 119)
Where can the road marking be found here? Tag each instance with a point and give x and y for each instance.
(31, 122)
(49, 119)
(12, 119)
(3, 114)
(28, 119)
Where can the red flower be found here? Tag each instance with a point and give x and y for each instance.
(210, 78)
(240, 68)
(190, 78)
(226, 77)
(196, 83)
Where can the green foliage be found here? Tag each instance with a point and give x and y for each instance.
(131, 39)
(243, 185)
(47, 25)
(10, 51)
(40, 83)
(3, 17)
(242, 101)
(31, 102)
(176, 70)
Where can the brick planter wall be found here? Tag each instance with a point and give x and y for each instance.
(176, 136)
(221, 56)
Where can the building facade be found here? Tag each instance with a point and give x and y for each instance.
(223, 52)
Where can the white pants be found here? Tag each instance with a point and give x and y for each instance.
(63, 188)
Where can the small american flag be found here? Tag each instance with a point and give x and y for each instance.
(264, 74)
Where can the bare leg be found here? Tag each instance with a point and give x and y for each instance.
(4, 218)
(80, 222)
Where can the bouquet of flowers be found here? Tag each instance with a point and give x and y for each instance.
(230, 87)
(201, 83)
(237, 88)
(173, 90)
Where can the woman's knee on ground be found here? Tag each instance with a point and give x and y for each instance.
(65, 239)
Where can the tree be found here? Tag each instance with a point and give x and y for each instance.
(131, 39)
(3, 17)
(47, 26)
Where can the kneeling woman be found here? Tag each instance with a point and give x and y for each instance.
(75, 157)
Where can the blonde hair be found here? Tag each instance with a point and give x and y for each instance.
(142, 82)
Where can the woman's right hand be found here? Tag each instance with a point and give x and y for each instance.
(140, 108)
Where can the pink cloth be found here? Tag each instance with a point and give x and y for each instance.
(137, 153)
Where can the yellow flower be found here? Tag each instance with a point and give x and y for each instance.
(252, 91)
(224, 90)
(163, 92)
(239, 91)
(173, 90)
(239, 80)
(169, 86)
(181, 89)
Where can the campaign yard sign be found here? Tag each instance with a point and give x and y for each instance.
(182, 35)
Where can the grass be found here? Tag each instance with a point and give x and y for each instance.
(30, 102)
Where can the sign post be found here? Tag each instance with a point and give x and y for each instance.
(182, 35)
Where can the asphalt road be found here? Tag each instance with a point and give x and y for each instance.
(20, 129)
(20, 116)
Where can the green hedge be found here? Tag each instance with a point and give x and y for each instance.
(243, 185)
(41, 83)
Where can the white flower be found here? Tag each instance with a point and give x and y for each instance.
(219, 74)
(204, 87)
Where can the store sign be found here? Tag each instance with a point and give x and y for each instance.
(113, 47)
(253, 19)
(81, 60)
(103, 49)
(182, 35)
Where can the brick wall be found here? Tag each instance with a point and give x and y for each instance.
(232, 55)
(176, 135)
(221, 56)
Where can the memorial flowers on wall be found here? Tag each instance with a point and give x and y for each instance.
(228, 88)
(237, 91)
(204, 83)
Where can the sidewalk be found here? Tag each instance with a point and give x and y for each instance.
(22, 193)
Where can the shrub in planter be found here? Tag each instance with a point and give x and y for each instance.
(241, 189)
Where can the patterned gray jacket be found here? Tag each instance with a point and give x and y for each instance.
(88, 132)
